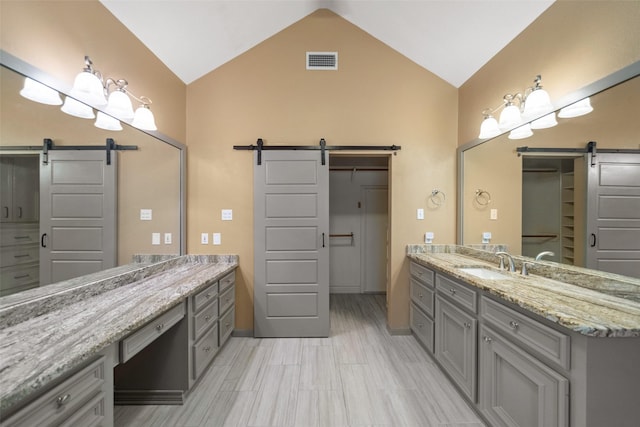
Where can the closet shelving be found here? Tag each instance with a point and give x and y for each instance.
(568, 220)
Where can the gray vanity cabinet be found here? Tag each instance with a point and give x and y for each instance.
(422, 304)
(517, 390)
(456, 332)
(20, 177)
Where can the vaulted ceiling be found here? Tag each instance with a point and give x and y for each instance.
(450, 38)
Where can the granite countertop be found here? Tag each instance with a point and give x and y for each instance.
(43, 348)
(589, 302)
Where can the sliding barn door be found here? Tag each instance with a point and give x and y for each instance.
(613, 214)
(77, 214)
(291, 245)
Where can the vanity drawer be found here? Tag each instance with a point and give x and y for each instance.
(63, 401)
(203, 297)
(550, 343)
(227, 281)
(144, 336)
(17, 255)
(421, 273)
(91, 414)
(204, 350)
(227, 299)
(226, 326)
(204, 319)
(461, 294)
(422, 296)
(421, 326)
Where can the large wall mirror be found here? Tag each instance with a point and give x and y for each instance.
(148, 196)
(536, 194)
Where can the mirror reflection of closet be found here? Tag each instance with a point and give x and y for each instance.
(549, 222)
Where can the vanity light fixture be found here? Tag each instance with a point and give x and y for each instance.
(518, 107)
(90, 87)
(36, 91)
(76, 108)
(576, 109)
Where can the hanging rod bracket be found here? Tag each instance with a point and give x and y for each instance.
(47, 144)
(591, 148)
(323, 145)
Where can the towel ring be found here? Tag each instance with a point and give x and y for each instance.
(483, 198)
(437, 197)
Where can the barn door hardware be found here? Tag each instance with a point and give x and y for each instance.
(322, 147)
(110, 146)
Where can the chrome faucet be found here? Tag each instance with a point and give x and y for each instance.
(512, 266)
(543, 254)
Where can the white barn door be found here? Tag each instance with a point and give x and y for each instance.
(77, 214)
(291, 245)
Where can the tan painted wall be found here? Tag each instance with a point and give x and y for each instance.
(572, 44)
(376, 97)
(54, 36)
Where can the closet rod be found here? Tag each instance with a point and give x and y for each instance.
(550, 236)
(358, 169)
(341, 235)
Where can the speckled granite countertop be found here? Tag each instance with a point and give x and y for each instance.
(42, 348)
(589, 302)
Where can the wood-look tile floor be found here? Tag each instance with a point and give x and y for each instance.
(359, 376)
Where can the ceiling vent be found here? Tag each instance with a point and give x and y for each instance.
(322, 60)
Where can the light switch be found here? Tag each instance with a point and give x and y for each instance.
(146, 214)
(217, 239)
(493, 214)
(155, 238)
(227, 214)
(204, 238)
(420, 214)
(167, 238)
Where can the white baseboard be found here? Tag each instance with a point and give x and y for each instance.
(352, 289)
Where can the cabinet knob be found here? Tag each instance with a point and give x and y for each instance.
(420, 325)
(514, 324)
(487, 339)
(207, 296)
(420, 296)
(453, 291)
(207, 318)
(207, 349)
(467, 325)
(61, 400)
(159, 327)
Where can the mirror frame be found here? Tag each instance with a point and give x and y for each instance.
(19, 66)
(613, 79)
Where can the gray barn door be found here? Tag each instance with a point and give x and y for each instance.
(77, 214)
(613, 214)
(291, 245)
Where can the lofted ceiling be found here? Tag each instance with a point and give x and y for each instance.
(451, 38)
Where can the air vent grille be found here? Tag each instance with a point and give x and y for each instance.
(322, 60)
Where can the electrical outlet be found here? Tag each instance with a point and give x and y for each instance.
(428, 237)
(204, 238)
(146, 214)
(167, 238)
(486, 237)
(420, 214)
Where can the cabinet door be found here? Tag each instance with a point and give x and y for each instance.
(26, 189)
(6, 188)
(516, 389)
(456, 345)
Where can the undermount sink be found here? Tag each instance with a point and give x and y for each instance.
(484, 273)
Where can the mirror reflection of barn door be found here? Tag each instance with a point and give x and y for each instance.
(77, 214)
(291, 245)
(613, 213)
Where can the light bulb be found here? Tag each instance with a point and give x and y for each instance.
(537, 103)
(489, 128)
(120, 105)
(509, 117)
(144, 119)
(88, 88)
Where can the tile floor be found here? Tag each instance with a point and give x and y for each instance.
(359, 376)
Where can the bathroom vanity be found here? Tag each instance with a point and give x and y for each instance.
(144, 333)
(556, 347)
